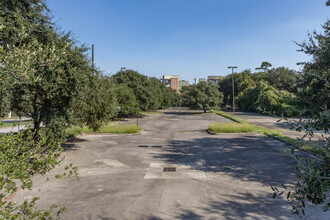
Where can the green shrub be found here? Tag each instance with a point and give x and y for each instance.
(23, 155)
(266, 98)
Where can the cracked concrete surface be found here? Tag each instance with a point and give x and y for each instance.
(218, 176)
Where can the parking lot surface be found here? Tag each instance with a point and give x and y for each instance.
(225, 176)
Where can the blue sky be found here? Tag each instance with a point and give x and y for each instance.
(191, 38)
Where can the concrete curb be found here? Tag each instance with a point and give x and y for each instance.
(83, 134)
(210, 132)
(276, 138)
(114, 133)
(294, 146)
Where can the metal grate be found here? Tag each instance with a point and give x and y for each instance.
(169, 169)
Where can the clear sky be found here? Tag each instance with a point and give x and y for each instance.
(191, 38)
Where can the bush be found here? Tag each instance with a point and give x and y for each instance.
(22, 156)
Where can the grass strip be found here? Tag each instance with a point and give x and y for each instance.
(112, 129)
(230, 127)
(263, 130)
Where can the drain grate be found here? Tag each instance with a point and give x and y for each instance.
(169, 169)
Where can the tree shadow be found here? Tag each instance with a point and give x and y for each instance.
(249, 159)
(243, 206)
(72, 144)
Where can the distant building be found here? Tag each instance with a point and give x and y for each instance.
(214, 79)
(172, 81)
(174, 84)
(183, 83)
(201, 80)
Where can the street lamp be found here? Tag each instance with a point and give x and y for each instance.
(232, 76)
(121, 70)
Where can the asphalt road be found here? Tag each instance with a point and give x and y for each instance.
(224, 176)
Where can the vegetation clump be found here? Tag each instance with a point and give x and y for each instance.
(230, 127)
(111, 129)
(204, 96)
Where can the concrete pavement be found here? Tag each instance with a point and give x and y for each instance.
(274, 123)
(217, 176)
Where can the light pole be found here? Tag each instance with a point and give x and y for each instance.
(121, 71)
(232, 76)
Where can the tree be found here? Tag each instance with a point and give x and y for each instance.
(266, 98)
(316, 73)
(150, 93)
(283, 79)
(96, 104)
(42, 67)
(203, 96)
(170, 98)
(41, 71)
(127, 101)
(20, 21)
(264, 66)
(141, 85)
(242, 81)
(313, 174)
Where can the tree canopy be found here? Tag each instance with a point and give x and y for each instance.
(204, 96)
(150, 93)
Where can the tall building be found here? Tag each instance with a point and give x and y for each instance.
(214, 79)
(172, 81)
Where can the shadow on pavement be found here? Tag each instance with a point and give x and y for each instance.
(248, 159)
(244, 206)
(72, 144)
(251, 157)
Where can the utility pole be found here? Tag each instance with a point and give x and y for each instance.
(232, 77)
(93, 56)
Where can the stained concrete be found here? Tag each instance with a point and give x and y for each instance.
(218, 176)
